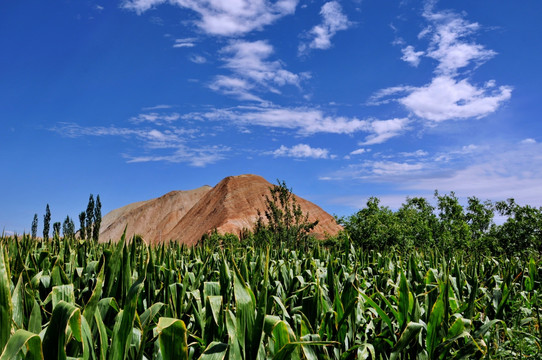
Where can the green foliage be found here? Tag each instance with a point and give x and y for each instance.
(56, 229)
(523, 228)
(373, 227)
(284, 220)
(68, 298)
(89, 217)
(82, 227)
(449, 227)
(34, 226)
(46, 222)
(97, 219)
(68, 227)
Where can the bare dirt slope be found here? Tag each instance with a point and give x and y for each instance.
(231, 206)
(151, 219)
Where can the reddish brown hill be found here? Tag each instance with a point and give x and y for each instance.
(231, 206)
(151, 219)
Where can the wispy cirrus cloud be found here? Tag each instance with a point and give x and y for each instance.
(306, 121)
(449, 95)
(185, 43)
(494, 171)
(175, 142)
(383, 130)
(333, 21)
(252, 71)
(155, 118)
(301, 151)
(225, 18)
(198, 157)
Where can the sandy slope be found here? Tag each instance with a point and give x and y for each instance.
(185, 216)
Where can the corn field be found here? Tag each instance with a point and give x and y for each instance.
(72, 299)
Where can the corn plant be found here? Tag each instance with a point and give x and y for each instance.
(67, 298)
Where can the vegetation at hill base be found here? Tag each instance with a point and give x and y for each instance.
(67, 298)
(417, 283)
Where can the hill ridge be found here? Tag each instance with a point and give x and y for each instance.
(185, 215)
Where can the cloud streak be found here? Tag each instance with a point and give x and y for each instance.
(306, 121)
(175, 141)
(300, 151)
(225, 18)
(333, 21)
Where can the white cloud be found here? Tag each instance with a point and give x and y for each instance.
(333, 20)
(359, 151)
(384, 130)
(172, 140)
(140, 6)
(381, 171)
(410, 56)
(252, 70)
(234, 86)
(497, 173)
(302, 151)
(187, 42)
(306, 121)
(226, 18)
(490, 171)
(198, 59)
(417, 153)
(157, 107)
(198, 157)
(155, 118)
(449, 43)
(446, 98)
(528, 141)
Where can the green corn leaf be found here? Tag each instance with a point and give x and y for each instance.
(17, 301)
(64, 316)
(102, 334)
(233, 342)
(213, 319)
(92, 303)
(215, 351)
(23, 339)
(62, 293)
(379, 310)
(245, 313)
(404, 300)
(34, 323)
(172, 339)
(120, 341)
(407, 336)
(435, 320)
(6, 310)
(87, 340)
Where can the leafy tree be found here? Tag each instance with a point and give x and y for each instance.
(46, 223)
(97, 218)
(82, 228)
(68, 228)
(374, 226)
(417, 222)
(35, 226)
(479, 216)
(453, 230)
(284, 219)
(523, 228)
(56, 229)
(90, 216)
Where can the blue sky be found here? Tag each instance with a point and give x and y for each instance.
(341, 99)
